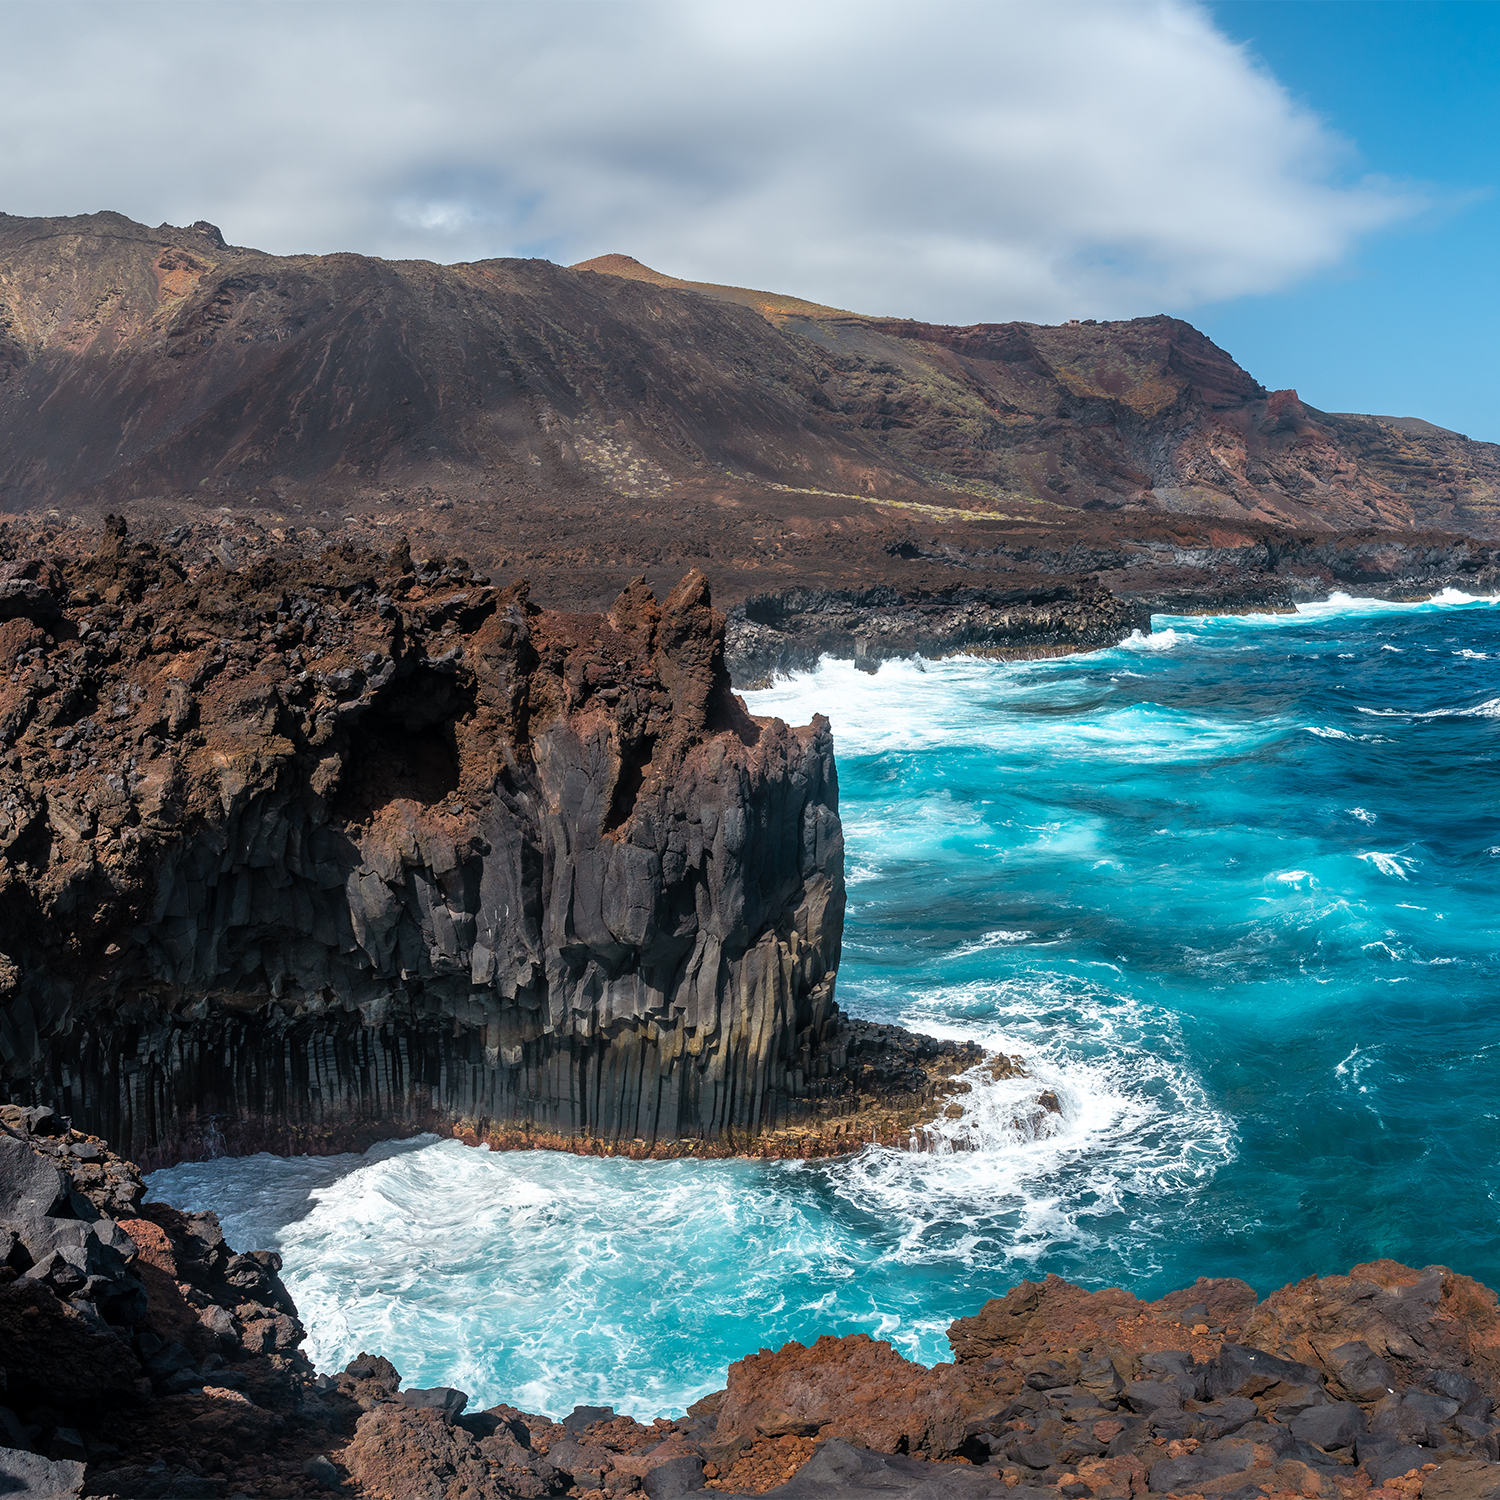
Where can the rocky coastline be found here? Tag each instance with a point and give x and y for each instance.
(326, 848)
(334, 845)
(1044, 596)
(141, 1358)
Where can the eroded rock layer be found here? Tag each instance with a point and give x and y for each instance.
(331, 842)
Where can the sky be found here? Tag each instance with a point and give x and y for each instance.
(1312, 182)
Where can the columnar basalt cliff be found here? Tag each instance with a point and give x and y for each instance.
(332, 844)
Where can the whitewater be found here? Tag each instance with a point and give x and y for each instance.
(1228, 890)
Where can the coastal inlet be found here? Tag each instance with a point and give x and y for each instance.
(1227, 890)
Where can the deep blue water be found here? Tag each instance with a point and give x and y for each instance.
(1229, 890)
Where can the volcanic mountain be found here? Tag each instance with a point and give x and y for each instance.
(586, 425)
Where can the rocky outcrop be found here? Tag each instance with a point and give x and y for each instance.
(1035, 594)
(113, 1310)
(771, 635)
(337, 846)
(1381, 1383)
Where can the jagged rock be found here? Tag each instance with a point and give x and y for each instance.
(380, 829)
(404, 1453)
(1332, 1426)
(444, 1400)
(53, 1355)
(854, 1388)
(771, 635)
(844, 1471)
(1463, 1479)
(1413, 1346)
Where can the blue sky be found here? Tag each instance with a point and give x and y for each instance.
(1409, 325)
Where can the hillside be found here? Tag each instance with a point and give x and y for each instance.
(588, 425)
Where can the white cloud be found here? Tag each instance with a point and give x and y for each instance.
(957, 161)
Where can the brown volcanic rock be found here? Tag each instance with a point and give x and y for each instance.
(337, 842)
(1417, 1322)
(1058, 1391)
(1102, 1395)
(1025, 1322)
(854, 1388)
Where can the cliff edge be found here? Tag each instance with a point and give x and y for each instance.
(329, 845)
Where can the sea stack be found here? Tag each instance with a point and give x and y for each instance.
(346, 842)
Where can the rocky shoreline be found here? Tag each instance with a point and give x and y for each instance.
(143, 1359)
(771, 636)
(1041, 596)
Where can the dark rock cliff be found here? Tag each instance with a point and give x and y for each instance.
(342, 842)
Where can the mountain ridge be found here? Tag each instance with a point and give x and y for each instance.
(146, 364)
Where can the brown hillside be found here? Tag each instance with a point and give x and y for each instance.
(585, 428)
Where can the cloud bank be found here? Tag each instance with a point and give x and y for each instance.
(960, 162)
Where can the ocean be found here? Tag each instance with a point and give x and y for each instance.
(1228, 890)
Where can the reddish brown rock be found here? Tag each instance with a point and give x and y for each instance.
(1416, 1321)
(854, 1388)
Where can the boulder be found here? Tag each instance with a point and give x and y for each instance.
(1463, 1479)
(51, 1354)
(843, 1471)
(406, 1453)
(322, 1471)
(31, 1188)
(1242, 1371)
(584, 1463)
(1332, 1426)
(582, 1417)
(1362, 1373)
(853, 1388)
(447, 1402)
(27, 1476)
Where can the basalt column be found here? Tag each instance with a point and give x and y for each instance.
(346, 842)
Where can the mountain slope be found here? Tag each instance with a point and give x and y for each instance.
(147, 366)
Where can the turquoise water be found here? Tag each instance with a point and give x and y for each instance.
(1229, 890)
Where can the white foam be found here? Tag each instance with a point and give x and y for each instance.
(1000, 938)
(969, 702)
(1387, 864)
(1363, 814)
(545, 1279)
(1157, 640)
(1009, 1180)
(1489, 709)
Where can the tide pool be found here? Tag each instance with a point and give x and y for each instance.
(1229, 890)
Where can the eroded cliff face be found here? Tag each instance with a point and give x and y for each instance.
(339, 841)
